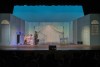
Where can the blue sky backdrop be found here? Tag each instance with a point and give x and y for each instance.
(48, 13)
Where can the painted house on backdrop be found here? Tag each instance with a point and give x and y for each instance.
(48, 32)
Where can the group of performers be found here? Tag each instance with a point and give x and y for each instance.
(30, 39)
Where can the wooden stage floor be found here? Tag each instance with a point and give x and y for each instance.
(46, 47)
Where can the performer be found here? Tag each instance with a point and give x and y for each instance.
(36, 40)
(31, 39)
(28, 39)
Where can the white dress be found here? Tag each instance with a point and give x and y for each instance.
(31, 40)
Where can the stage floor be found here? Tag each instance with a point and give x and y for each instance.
(46, 47)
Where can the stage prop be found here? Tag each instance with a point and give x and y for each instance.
(10, 27)
(86, 30)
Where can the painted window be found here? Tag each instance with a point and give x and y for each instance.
(4, 22)
(94, 27)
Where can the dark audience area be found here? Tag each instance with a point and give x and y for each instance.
(50, 58)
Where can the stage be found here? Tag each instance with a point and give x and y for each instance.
(46, 47)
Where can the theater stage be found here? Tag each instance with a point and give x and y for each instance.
(46, 47)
